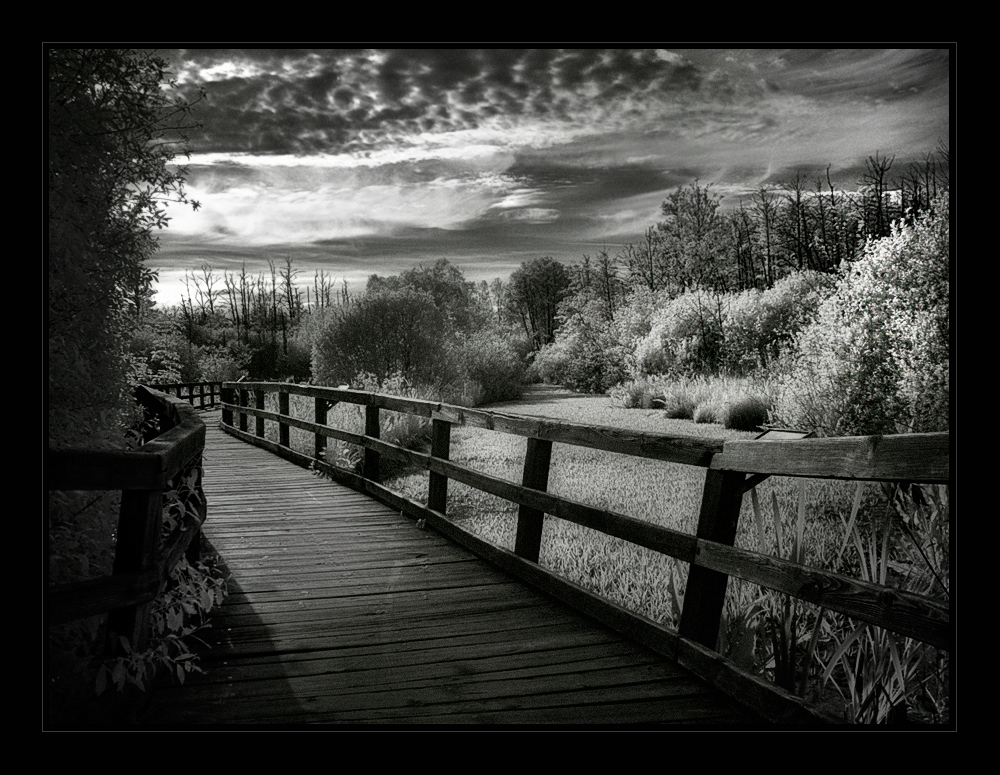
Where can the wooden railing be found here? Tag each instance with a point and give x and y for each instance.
(143, 559)
(733, 468)
(205, 393)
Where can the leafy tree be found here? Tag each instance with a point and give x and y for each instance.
(386, 333)
(114, 126)
(532, 298)
(644, 262)
(694, 240)
(454, 297)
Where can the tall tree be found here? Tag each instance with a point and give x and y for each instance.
(532, 297)
(694, 239)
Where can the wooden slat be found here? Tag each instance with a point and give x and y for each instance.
(422, 629)
(913, 457)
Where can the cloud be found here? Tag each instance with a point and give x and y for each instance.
(504, 152)
(331, 101)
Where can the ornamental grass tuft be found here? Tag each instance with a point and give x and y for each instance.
(746, 414)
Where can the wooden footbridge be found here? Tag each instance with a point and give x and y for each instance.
(352, 605)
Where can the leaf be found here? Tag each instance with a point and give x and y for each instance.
(119, 675)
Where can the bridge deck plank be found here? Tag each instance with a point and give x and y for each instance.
(342, 611)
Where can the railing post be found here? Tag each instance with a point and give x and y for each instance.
(705, 595)
(201, 394)
(244, 401)
(437, 492)
(528, 540)
(135, 551)
(258, 396)
(283, 427)
(319, 417)
(228, 396)
(372, 431)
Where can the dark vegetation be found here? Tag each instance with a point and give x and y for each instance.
(114, 126)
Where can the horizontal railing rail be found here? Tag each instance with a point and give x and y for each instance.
(732, 468)
(207, 394)
(142, 560)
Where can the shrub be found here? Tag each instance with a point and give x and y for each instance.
(550, 363)
(385, 333)
(637, 394)
(685, 338)
(876, 359)
(746, 414)
(759, 325)
(492, 368)
(679, 405)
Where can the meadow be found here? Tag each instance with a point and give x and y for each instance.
(864, 530)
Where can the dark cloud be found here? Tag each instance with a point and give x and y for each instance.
(299, 101)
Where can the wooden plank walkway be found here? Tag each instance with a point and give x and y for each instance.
(342, 611)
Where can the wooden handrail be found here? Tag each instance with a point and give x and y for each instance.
(190, 391)
(142, 562)
(732, 468)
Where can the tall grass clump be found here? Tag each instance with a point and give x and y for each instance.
(746, 414)
(895, 536)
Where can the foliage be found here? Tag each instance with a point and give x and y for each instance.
(749, 413)
(686, 337)
(180, 611)
(884, 675)
(532, 297)
(693, 240)
(759, 326)
(114, 126)
(385, 333)
(876, 359)
(708, 412)
(453, 296)
(596, 358)
(492, 368)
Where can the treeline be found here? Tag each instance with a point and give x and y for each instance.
(705, 292)
(820, 296)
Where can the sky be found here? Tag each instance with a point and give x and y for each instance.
(372, 161)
